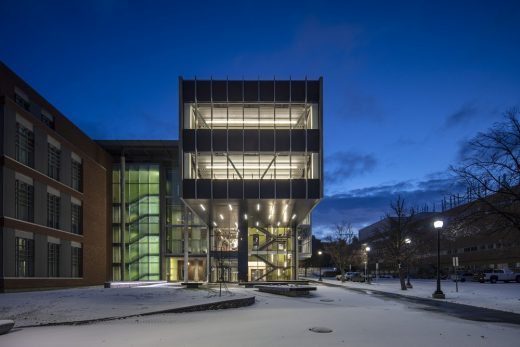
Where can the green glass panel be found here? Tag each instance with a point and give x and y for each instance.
(115, 175)
(143, 248)
(143, 174)
(116, 233)
(154, 229)
(133, 194)
(143, 189)
(116, 193)
(154, 248)
(134, 272)
(154, 189)
(154, 209)
(154, 174)
(143, 209)
(134, 176)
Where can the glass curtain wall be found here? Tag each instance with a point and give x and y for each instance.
(251, 116)
(271, 253)
(178, 217)
(252, 165)
(253, 141)
(142, 227)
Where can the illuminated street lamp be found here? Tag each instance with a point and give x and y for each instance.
(408, 284)
(320, 253)
(367, 249)
(438, 294)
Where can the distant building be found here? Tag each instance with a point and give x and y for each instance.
(479, 243)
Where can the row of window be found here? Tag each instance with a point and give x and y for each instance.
(24, 207)
(21, 99)
(24, 259)
(25, 152)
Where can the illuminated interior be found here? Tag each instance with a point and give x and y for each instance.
(251, 166)
(251, 116)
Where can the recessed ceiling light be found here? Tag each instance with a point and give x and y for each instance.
(293, 216)
(230, 207)
(221, 216)
(257, 223)
(245, 216)
(258, 207)
(214, 223)
(202, 207)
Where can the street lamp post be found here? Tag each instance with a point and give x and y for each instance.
(367, 249)
(408, 241)
(320, 253)
(438, 294)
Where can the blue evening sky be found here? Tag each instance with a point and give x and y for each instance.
(405, 83)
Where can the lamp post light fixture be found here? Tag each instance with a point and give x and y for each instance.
(438, 294)
(367, 249)
(408, 241)
(320, 253)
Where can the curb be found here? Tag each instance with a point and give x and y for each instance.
(219, 305)
(443, 306)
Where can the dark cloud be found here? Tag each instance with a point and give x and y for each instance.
(365, 206)
(359, 105)
(465, 113)
(345, 164)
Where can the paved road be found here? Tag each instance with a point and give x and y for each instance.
(357, 319)
(468, 312)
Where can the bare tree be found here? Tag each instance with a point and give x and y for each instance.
(394, 237)
(490, 168)
(339, 245)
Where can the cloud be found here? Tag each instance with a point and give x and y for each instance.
(322, 44)
(345, 164)
(362, 207)
(359, 105)
(465, 113)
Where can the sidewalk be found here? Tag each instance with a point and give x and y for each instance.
(499, 296)
(90, 304)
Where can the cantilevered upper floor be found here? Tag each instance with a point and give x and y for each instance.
(247, 140)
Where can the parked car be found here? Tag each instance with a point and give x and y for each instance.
(348, 275)
(462, 276)
(358, 277)
(328, 274)
(385, 276)
(495, 275)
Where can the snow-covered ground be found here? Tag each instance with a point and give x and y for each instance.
(356, 320)
(498, 296)
(32, 308)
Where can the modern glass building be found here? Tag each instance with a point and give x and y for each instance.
(230, 201)
(252, 166)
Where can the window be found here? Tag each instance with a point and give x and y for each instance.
(53, 259)
(24, 201)
(76, 218)
(53, 211)
(21, 99)
(47, 119)
(24, 145)
(24, 257)
(77, 261)
(53, 160)
(77, 175)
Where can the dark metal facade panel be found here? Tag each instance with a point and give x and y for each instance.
(205, 91)
(313, 140)
(251, 189)
(264, 140)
